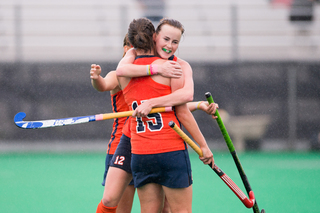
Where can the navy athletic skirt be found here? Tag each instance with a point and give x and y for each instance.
(170, 169)
(122, 156)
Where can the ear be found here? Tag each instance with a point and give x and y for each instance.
(126, 48)
(154, 37)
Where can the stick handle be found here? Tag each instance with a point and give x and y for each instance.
(186, 138)
(129, 113)
(221, 125)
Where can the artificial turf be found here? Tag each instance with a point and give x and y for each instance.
(70, 182)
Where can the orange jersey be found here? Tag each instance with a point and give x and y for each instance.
(118, 105)
(151, 134)
(173, 58)
(126, 128)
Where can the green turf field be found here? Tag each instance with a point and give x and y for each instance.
(70, 182)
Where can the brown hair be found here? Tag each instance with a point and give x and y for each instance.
(171, 22)
(140, 34)
(126, 41)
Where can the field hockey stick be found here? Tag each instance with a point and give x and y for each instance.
(233, 153)
(247, 202)
(18, 119)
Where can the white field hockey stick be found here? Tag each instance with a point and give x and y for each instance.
(237, 191)
(18, 119)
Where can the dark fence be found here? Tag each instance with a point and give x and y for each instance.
(287, 91)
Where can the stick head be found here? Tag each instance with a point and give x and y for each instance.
(249, 202)
(19, 116)
(18, 120)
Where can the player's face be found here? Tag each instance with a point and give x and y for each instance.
(167, 41)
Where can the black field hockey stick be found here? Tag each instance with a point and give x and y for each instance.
(18, 119)
(247, 202)
(233, 153)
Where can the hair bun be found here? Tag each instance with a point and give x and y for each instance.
(140, 34)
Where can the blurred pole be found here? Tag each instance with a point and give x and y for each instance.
(234, 32)
(235, 57)
(123, 20)
(292, 106)
(18, 33)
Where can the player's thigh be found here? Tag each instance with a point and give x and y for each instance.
(151, 198)
(180, 199)
(125, 204)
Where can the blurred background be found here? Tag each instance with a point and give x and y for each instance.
(260, 59)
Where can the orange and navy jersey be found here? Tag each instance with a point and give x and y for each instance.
(126, 128)
(151, 134)
(118, 105)
(173, 58)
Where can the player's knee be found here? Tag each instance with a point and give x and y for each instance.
(109, 201)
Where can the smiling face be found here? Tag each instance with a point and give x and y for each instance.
(167, 40)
